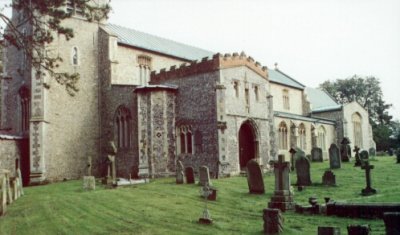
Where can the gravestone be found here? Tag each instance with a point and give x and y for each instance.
(329, 178)
(204, 176)
(254, 177)
(303, 171)
(292, 152)
(390, 152)
(392, 222)
(111, 174)
(205, 218)
(89, 182)
(3, 195)
(367, 167)
(334, 157)
(328, 230)
(316, 154)
(180, 176)
(20, 184)
(189, 173)
(273, 221)
(358, 229)
(357, 156)
(372, 152)
(345, 150)
(283, 196)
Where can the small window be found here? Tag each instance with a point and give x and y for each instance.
(286, 101)
(283, 136)
(185, 140)
(256, 93)
(144, 62)
(123, 127)
(75, 56)
(236, 88)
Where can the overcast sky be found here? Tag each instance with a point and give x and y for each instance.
(311, 40)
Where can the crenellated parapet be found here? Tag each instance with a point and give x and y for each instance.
(209, 64)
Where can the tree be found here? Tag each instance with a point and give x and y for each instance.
(44, 18)
(366, 91)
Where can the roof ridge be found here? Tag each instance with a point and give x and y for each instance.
(278, 70)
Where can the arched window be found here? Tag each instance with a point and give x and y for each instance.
(357, 129)
(302, 136)
(285, 97)
(144, 62)
(185, 139)
(25, 98)
(321, 138)
(282, 135)
(123, 128)
(75, 56)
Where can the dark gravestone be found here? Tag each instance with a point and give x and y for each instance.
(189, 173)
(273, 221)
(345, 150)
(357, 156)
(361, 210)
(254, 177)
(358, 229)
(303, 171)
(392, 222)
(292, 152)
(372, 152)
(329, 178)
(368, 190)
(334, 157)
(328, 230)
(316, 154)
(204, 176)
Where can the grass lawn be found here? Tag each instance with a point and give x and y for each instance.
(162, 207)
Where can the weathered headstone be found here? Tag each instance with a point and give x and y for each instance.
(329, 178)
(204, 176)
(328, 230)
(255, 178)
(189, 172)
(3, 195)
(372, 152)
(273, 221)
(20, 184)
(303, 171)
(357, 156)
(364, 229)
(180, 176)
(334, 157)
(345, 150)
(392, 222)
(292, 152)
(283, 196)
(368, 190)
(316, 154)
(89, 183)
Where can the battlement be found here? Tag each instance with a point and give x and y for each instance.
(210, 64)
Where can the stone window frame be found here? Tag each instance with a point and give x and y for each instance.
(285, 98)
(356, 120)
(186, 140)
(283, 135)
(321, 138)
(302, 131)
(25, 104)
(145, 64)
(236, 85)
(75, 56)
(123, 127)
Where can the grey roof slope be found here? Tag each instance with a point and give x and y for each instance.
(277, 76)
(320, 100)
(150, 42)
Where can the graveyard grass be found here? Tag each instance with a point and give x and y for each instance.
(163, 207)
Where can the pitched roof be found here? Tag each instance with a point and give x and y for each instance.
(150, 42)
(277, 76)
(320, 100)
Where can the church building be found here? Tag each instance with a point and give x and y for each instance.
(159, 101)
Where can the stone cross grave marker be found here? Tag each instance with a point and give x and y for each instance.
(205, 218)
(316, 154)
(367, 167)
(364, 157)
(89, 182)
(329, 178)
(357, 156)
(303, 171)
(292, 152)
(283, 196)
(345, 150)
(189, 173)
(204, 176)
(255, 178)
(273, 221)
(334, 157)
(111, 168)
(180, 176)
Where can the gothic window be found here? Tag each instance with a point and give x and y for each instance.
(198, 140)
(256, 93)
(25, 99)
(123, 127)
(302, 136)
(357, 129)
(144, 62)
(185, 140)
(236, 87)
(75, 56)
(285, 96)
(247, 98)
(321, 138)
(282, 135)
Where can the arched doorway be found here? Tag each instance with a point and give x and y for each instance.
(247, 144)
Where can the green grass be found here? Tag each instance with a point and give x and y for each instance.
(162, 207)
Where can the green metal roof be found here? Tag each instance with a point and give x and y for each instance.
(304, 118)
(278, 76)
(320, 100)
(150, 42)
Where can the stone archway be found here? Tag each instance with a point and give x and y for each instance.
(248, 144)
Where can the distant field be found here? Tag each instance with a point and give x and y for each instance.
(162, 207)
